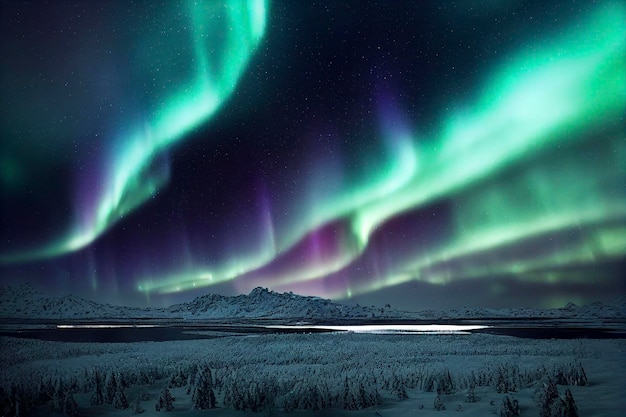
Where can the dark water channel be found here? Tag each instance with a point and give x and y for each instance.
(161, 333)
(139, 334)
(555, 332)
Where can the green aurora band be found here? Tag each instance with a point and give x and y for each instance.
(563, 97)
(513, 166)
(132, 174)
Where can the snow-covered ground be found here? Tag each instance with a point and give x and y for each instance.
(326, 374)
(272, 373)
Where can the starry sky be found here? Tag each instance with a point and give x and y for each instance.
(433, 154)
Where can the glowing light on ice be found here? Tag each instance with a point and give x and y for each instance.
(391, 328)
(104, 326)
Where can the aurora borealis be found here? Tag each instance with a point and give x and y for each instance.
(423, 154)
(128, 177)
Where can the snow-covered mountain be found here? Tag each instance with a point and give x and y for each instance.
(595, 310)
(263, 303)
(23, 302)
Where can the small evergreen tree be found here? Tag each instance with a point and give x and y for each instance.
(509, 407)
(349, 402)
(70, 407)
(569, 405)
(191, 377)
(358, 396)
(233, 397)
(110, 387)
(399, 388)
(179, 379)
(401, 392)
(137, 408)
(119, 400)
(165, 402)
(316, 401)
(445, 385)
(438, 404)
(564, 407)
(97, 397)
(16, 405)
(87, 381)
(58, 399)
(471, 396)
(548, 395)
(506, 379)
(46, 391)
(573, 374)
(203, 397)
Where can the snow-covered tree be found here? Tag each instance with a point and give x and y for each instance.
(398, 387)
(548, 395)
(507, 378)
(46, 391)
(571, 374)
(564, 407)
(438, 404)
(58, 398)
(110, 386)
(358, 395)
(316, 400)
(87, 381)
(119, 399)
(348, 400)
(70, 407)
(137, 408)
(509, 407)
(445, 385)
(203, 397)
(165, 402)
(179, 379)
(97, 398)
(471, 396)
(569, 405)
(368, 394)
(258, 395)
(72, 385)
(191, 377)
(15, 404)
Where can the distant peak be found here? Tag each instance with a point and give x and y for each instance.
(259, 291)
(570, 306)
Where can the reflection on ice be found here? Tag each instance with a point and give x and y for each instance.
(102, 326)
(392, 328)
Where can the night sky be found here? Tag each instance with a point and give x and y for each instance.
(426, 154)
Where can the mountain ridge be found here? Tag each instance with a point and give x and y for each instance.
(24, 302)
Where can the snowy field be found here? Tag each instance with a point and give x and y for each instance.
(325, 374)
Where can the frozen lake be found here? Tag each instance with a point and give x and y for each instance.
(129, 333)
